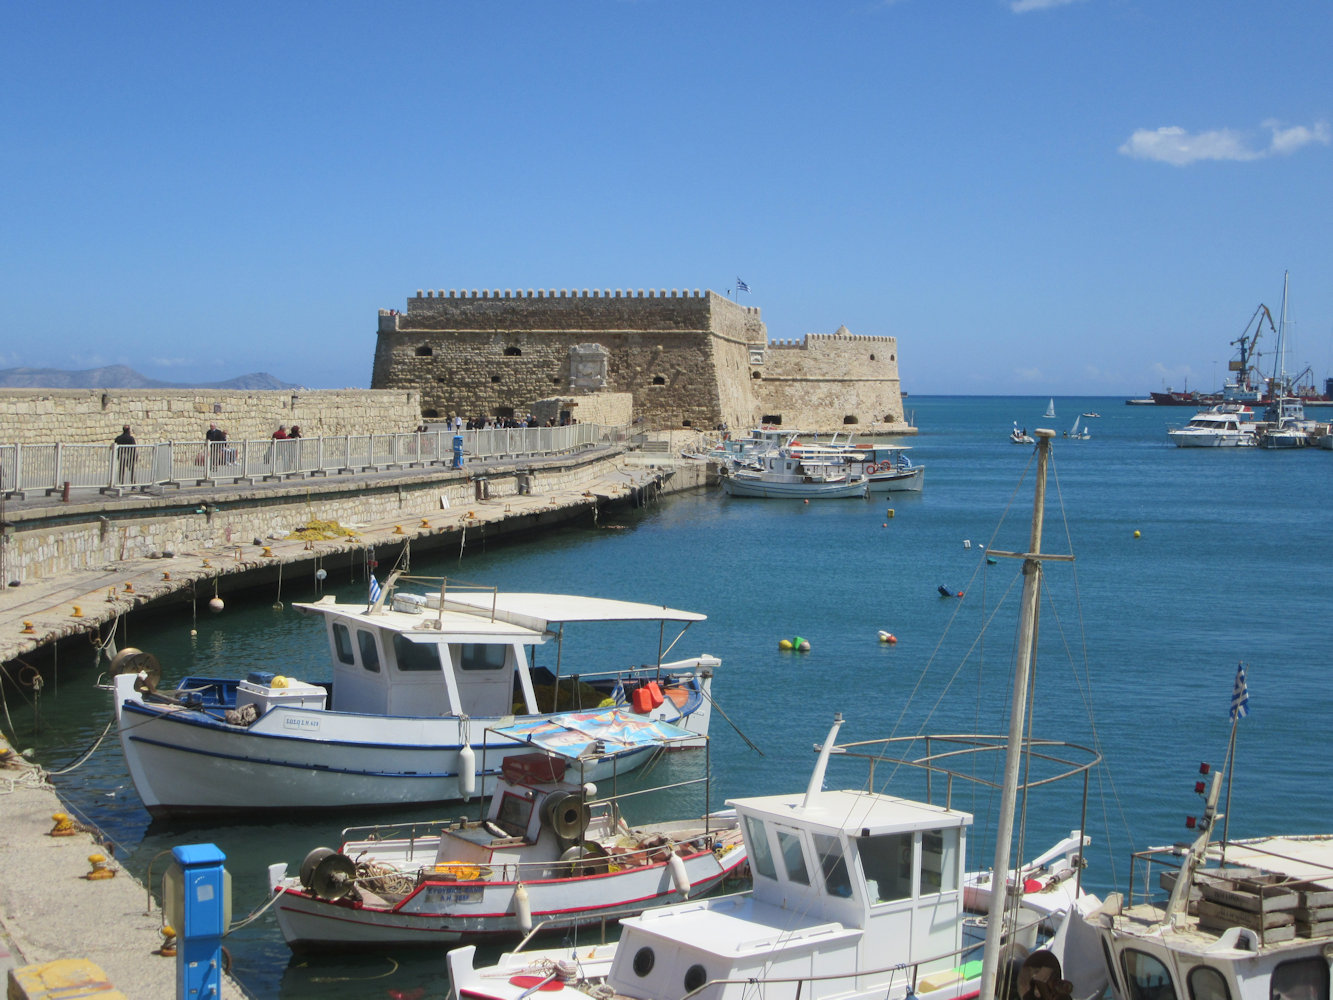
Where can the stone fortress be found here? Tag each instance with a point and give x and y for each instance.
(671, 360)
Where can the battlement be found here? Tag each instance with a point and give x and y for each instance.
(423, 297)
(817, 339)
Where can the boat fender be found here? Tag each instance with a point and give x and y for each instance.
(494, 830)
(523, 908)
(467, 772)
(678, 874)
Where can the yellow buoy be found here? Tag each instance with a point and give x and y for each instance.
(784, 644)
(1136, 532)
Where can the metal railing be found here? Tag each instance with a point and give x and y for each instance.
(112, 468)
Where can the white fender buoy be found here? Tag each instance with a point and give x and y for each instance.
(678, 874)
(216, 605)
(467, 772)
(523, 908)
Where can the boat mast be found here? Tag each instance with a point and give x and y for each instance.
(1027, 631)
(1280, 366)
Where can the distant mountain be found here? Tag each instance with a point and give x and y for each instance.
(122, 377)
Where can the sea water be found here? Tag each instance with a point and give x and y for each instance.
(1187, 562)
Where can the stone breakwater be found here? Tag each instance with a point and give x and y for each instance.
(95, 416)
(81, 566)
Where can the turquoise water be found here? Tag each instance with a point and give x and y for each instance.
(1142, 634)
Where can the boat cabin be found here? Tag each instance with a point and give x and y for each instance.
(410, 660)
(842, 880)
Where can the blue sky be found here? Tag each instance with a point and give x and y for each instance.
(1034, 196)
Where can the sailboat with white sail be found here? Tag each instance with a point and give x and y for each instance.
(1050, 409)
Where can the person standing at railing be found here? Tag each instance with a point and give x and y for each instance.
(124, 449)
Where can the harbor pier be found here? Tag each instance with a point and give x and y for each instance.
(174, 552)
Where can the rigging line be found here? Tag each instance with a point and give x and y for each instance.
(87, 753)
(1084, 683)
(748, 742)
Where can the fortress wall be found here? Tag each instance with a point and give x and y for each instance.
(831, 381)
(484, 354)
(95, 416)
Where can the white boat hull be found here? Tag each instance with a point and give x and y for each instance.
(740, 485)
(1211, 439)
(911, 480)
(441, 913)
(187, 761)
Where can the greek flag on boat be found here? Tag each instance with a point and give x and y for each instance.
(1240, 695)
(374, 590)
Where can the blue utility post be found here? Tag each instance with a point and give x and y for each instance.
(458, 451)
(203, 919)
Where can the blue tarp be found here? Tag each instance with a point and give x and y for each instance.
(572, 734)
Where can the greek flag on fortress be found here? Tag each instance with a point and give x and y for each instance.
(741, 286)
(1240, 695)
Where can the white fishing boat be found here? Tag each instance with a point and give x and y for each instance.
(549, 854)
(1245, 919)
(418, 684)
(1285, 425)
(857, 894)
(887, 468)
(782, 474)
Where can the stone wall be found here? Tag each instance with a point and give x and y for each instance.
(832, 382)
(95, 416)
(693, 360)
(610, 409)
(492, 353)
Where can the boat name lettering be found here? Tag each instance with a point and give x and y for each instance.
(296, 722)
(453, 894)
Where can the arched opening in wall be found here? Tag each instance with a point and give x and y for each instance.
(850, 419)
(556, 380)
(430, 414)
(504, 412)
(659, 380)
(686, 423)
(771, 418)
(872, 357)
(889, 418)
(890, 357)
(513, 352)
(424, 351)
(755, 375)
(495, 378)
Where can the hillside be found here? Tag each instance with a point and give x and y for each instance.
(123, 377)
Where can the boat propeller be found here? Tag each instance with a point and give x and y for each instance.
(135, 661)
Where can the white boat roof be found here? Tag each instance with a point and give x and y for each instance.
(1296, 857)
(856, 811)
(738, 927)
(455, 626)
(538, 611)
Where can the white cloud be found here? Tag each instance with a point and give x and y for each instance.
(1028, 374)
(1172, 144)
(172, 362)
(1023, 6)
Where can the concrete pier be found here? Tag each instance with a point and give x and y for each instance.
(184, 546)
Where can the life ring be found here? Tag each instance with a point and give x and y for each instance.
(871, 468)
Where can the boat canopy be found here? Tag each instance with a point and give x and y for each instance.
(575, 734)
(422, 624)
(539, 611)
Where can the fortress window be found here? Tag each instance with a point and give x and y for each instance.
(685, 423)
(872, 357)
(556, 380)
(430, 414)
(771, 418)
(424, 351)
(495, 378)
(513, 352)
(659, 380)
(850, 419)
(504, 412)
(755, 375)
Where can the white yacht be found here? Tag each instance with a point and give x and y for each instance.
(1224, 426)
